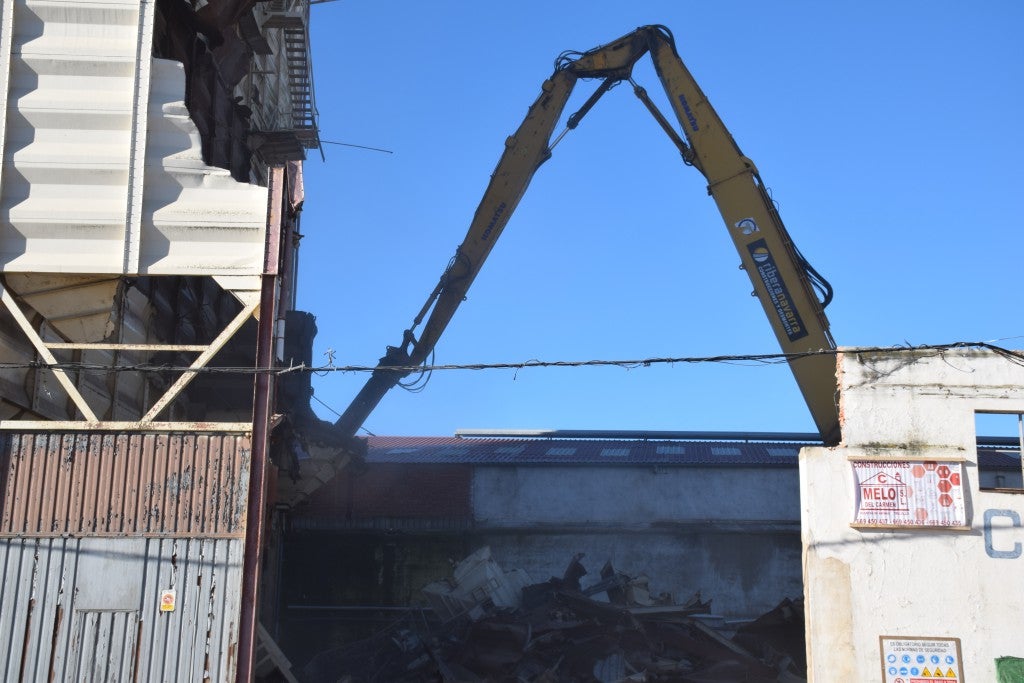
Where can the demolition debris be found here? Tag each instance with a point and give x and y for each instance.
(494, 626)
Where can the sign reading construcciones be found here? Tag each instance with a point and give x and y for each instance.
(909, 493)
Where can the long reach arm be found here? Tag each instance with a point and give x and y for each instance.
(783, 281)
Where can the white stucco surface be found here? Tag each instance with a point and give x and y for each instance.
(864, 583)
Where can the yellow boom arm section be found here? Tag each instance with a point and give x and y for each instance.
(781, 277)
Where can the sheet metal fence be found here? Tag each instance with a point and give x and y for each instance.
(101, 535)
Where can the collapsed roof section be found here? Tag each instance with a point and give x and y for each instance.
(250, 76)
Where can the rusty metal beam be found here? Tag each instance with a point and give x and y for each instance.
(121, 426)
(126, 347)
(262, 414)
(262, 404)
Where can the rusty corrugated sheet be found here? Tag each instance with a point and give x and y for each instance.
(95, 528)
(103, 484)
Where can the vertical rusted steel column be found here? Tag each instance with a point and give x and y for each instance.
(295, 195)
(261, 413)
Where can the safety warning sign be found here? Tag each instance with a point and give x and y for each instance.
(920, 660)
(168, 600)
(909, 493)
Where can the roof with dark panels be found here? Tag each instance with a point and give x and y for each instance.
(548, 451)
(999, 459)
(506, 451)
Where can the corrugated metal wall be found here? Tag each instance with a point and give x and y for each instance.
(94, 528)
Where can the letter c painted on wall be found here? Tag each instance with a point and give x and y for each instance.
(1015, 522)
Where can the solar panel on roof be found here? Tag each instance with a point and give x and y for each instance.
(615, 452)
(725, 450)
(781, 452)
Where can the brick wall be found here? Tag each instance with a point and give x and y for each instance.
(396, 490)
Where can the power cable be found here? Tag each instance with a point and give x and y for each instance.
(764, 359)
(313, 396)
(349, 144)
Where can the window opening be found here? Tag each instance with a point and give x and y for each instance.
(1000, 438)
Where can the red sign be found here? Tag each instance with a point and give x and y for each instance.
(909, 494)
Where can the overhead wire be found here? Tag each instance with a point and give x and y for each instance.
(364, 429)
(355, 146)
(1016, 357)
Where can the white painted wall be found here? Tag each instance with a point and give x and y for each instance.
(860, 584)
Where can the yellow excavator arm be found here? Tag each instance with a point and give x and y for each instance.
(783, 281)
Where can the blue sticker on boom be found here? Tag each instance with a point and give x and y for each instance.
(689, 114)
(777, 291)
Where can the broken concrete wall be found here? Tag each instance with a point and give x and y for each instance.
(955, 588)
(738, 572)
(730, 532)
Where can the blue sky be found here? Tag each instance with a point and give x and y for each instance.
(889, 134)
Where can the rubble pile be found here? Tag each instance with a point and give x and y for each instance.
(613, 631)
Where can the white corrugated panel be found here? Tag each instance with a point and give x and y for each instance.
(102, 168)
(88, 609)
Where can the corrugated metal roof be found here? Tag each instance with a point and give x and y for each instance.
(507, 451)
(417, 449)
(999, 459)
